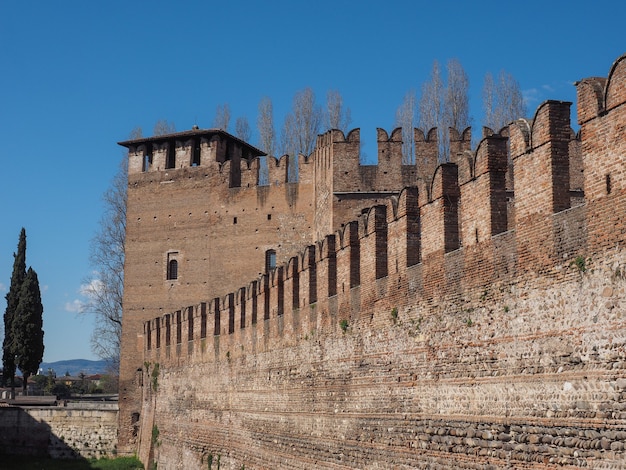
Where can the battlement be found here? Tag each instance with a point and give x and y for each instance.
(338, 157)
(463, 208)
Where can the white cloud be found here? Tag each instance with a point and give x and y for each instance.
(91, 289)
(3, 288)
(531, 97)
(75, 306)
(88, 292)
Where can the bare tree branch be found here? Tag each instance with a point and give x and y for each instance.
(431, 105)
(265, 125)
(288, 139)
(336, 116)
(405, 118)
(502, 100)
(444, 105)
(242, 129)
(222, 117)
(267, 136)
(161, 127)
(457, 97)
(104, 289)
(307, 118)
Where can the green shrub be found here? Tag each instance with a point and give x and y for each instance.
(394, 314)
(155, 434)
(581, 263)
(155, 377)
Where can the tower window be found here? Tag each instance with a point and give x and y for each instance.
(170, 160)
(270, 260)
(172, 269)
(195, 153)
(172, 266)
(147, 159)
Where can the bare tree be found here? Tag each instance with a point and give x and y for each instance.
(242, 129)
(290, 143)
(443, 105)
(267, 136)
(502, 100)
(222, 117)
(136, 133)
(431, 103)
(104, 289)
(300, 129)
(265, 125)
(161, 127)
(457, 97)
(303, 123)
(288, 139)
(336, 116)
(405, 118)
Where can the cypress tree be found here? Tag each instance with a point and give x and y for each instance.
(28, 328)
(17, 279)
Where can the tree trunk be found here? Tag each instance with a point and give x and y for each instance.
(25, 383)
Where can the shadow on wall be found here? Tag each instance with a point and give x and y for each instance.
(21, 434)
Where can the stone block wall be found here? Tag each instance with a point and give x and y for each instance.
(85, 430)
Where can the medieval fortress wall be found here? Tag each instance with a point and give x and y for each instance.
(453, 324)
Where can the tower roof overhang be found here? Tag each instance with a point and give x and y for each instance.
(184, 135)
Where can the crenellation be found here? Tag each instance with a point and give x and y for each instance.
(465, 165)
(590, 98)
(278, 170)
(519, 133)
(615, 94)
(306, 170)
(426, 153)
(460, 142)
(440, 228)
(483, 197)
(249, 171)
(541, 172)
(390, 168)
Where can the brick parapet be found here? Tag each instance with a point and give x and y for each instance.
(411, 228)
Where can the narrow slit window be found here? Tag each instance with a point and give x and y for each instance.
(172, 266)
(147, 160)
(170, 161)
(172, 269)
(270, 260)
(195, 153)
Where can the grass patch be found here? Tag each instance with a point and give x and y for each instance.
(22, 462)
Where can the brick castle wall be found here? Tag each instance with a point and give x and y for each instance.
(448, 327)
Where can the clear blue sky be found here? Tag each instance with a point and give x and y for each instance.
(76, 77)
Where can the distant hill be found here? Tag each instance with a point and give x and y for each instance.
(75, 367)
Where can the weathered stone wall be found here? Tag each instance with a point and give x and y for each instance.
(523, 375)
(82, 429)
(434, 332)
